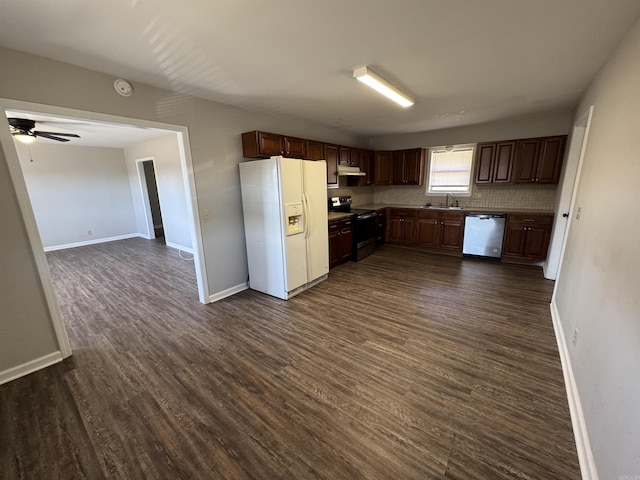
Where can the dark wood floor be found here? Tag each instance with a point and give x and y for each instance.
(402, 366)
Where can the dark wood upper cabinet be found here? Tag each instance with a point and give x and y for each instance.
(494, 162)
(550, 159)
(539, 160)
(264, 145)
(408, 167)
(344, 157)
(354, 157)
(365, 159)
(315, 150)
(383, 172)
(331, 157)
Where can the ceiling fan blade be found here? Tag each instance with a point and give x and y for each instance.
(50, 136)
(42, 134)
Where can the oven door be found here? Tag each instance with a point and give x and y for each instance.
(364, 235)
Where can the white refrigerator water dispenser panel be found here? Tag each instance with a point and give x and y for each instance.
(294, 218)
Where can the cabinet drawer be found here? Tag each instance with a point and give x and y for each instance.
(427, 214)
(402, 212)
(531, 219)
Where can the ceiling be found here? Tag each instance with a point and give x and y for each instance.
(463, 61)
(92, 133)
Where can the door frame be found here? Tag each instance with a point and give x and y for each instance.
(583, 122)
(22, 195)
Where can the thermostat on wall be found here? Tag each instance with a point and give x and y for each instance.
(123, 87)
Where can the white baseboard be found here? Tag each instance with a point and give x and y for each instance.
(585, 455)
(30, 367)
(179, 247)
(228, 292)
(91, 242)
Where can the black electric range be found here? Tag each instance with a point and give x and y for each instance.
(364, 226)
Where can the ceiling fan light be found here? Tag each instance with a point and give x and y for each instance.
(379, 84)
(24, 137)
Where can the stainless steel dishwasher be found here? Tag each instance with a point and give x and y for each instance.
(483, 234)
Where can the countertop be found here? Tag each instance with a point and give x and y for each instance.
(378, 206)
(338, 215)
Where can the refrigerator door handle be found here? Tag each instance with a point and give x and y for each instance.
(307, 223)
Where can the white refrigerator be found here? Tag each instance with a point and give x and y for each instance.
(284, 202)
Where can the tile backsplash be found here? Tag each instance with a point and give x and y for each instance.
(523, 197)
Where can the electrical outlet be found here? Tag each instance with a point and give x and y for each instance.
(206, 214)
(579, 213)
(575, 337)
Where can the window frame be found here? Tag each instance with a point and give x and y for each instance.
(450, 148)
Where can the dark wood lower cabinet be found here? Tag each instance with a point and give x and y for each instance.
(401, 225)
(526, 238)
(340, 241)
(441, 230)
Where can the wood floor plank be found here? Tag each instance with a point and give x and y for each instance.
(404, 365)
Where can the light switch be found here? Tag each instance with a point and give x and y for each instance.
(206, 214)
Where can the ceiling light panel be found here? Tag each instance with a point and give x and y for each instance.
(380, 85)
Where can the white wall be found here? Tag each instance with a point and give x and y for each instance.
(598, 288)
(171, 187)
(74, 190)
(545, 124)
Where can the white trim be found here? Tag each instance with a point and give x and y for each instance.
(91, 242)
(30, 367)
(228, 292)
(585, 455)
(179, 247)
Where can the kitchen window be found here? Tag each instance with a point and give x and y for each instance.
(450, 170)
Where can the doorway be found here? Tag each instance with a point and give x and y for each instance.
(151, 198)
(18, 180)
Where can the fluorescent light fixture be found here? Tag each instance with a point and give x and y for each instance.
(24, 137)
(366, 76)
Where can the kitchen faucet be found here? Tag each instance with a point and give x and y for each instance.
(446, 200)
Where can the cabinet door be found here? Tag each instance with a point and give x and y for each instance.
(366, 166)
(550, 159)
(354, 157)
(335, 253)
(503, 162)
(413, 165)
(295, 147)
(409, 227)
(315, 150)
(331, 157)
(515, 237)
(344, 155)
(537, 242)
(451, 231)
(346, 243)
(398, 168)
(527, 160)
(383, 168)
(427, 231)
(270, 144)
(484, 162)
(395, 229)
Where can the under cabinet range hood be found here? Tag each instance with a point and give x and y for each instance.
(345, 170)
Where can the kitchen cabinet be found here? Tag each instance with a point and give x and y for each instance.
(355, 155)
(264, 145)
(442, 230)
(340, 241)
(539, 160)
(527, 238)
(366, 164)
(315, 150)
(401, 226)
(381, 224)
(494, 162)
(383, 171)
(408, 167)
(344, 155)
(331, 157)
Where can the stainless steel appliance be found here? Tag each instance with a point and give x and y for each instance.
(285, 224)
(364, 226)
(483, 235)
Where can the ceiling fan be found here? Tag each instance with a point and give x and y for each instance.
(22, 129)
